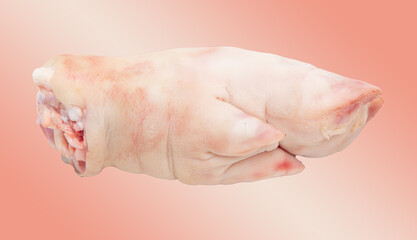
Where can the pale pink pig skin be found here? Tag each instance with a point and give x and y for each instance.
(170, 114)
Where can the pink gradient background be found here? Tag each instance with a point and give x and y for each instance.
(367, 191)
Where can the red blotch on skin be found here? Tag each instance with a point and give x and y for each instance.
(169, 115)
(126, 73)
(77, 70)
(118, 94)
(70, 67)
(139, 109)
(139, 68)
(94, 61)
(153, 142)
(283, 166)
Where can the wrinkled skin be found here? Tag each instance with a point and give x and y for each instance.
(209, 115)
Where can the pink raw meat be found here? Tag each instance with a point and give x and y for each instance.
(200, 115)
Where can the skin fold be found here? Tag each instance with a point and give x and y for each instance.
(217, 115)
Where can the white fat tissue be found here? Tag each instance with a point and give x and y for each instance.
(63, 125)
